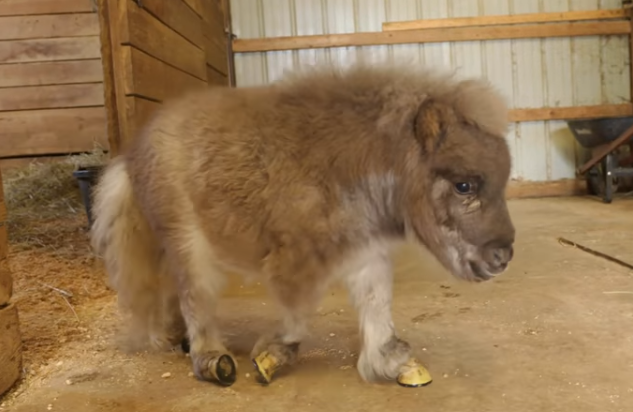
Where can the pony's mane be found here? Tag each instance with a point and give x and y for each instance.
(404, 87)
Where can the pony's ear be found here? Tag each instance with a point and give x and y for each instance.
(431, 123)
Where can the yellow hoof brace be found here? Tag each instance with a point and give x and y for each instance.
(414, 375)
(266, 365)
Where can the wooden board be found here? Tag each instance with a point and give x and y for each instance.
(48, 26)
(216, 54)
(151, 78)
(108, 74)
(40, 132)
(216, 44)
(577, 15)
(64, 48)
(116, 19)
(3, 230)
(215, 78)
(10, 348)
(571, 113)
(50, 97)
(25, 161)
(179, 16)
(137, 112)
(214, 22)
(148, 34)
(6, 283)
(196, 5)
(529, 189)
(46, 73)
(20, 162)
(226, 14)
(24, 7)
(431, 36)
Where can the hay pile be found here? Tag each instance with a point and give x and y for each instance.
(44, 204)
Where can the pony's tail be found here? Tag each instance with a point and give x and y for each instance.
(122, 237)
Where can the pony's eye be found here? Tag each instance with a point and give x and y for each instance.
(463, 188)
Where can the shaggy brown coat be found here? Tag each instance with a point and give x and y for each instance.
(299, 183)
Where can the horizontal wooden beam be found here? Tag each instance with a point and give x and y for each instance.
(19, 162)
(46, 73)
(54, 49)
(498, 20)
(431, 36)
(51, 97)
(32, 7)
(152, 79)
(571, 113)
(147, 33)
(48, 26)
(518, 189)
(51, 131)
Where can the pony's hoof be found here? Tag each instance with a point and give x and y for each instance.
(413, 375)
(184, 345)
(266, 365)
(224, 370)
(218, 368)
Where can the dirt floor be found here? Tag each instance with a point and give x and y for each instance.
(555, 333)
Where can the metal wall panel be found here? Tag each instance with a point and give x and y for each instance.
(530, 72)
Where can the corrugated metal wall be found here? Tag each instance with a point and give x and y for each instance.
(531, 72)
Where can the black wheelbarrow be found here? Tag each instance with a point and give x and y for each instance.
(604, 136)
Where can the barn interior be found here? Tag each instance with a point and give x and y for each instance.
(78, 78)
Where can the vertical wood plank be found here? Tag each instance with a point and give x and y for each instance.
(109, 86)
(6, 283)
(631, 53)
(228, 29)
(10, 348)
(119, 28)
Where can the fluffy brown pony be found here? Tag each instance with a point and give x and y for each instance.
(299, 183)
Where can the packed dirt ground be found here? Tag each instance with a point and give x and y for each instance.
(552, 334)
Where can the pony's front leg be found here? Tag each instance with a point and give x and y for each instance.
(383, 354)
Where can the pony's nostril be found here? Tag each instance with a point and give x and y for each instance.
(503, 255)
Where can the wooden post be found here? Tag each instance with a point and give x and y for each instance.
(10, 340)
(228, 28)
(6, 283)
(112, 114)
(629, 8)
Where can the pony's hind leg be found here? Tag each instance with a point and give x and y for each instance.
(298, 296)
(199, 284)
(280, 347)
(171, 322)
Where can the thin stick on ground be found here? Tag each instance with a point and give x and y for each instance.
(71, 307)
(61, 291)
(568, 242)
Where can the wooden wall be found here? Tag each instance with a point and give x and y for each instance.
(51, 79)
(10, 342)
(157, 50)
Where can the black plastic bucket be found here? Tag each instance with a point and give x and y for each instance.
(87, 177)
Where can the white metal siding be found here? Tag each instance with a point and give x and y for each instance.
(531, 72)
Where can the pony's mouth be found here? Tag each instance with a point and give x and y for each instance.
(480, 274)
